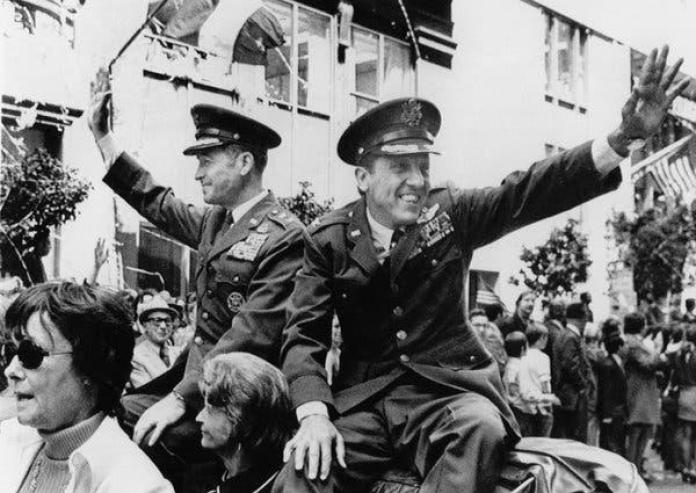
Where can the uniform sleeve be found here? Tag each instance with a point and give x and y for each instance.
(258, 326)
(547, 188)
(155, 202)
(308, 336)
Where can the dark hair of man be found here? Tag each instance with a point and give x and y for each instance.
(493, 311)
(523, 295)
(584, 297)
(515, 343)
(611, 326)
(634, 323)
(95, 321)
(254, 395)
(477, 312)
(613, 344)
(557, 310)
(690, 304)
(576, 311)
(535, 332)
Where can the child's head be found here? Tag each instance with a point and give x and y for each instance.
(515, 344)
(537, 335)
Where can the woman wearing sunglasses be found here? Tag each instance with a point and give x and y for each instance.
(72, 360)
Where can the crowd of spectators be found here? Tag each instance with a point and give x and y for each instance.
(624, 384)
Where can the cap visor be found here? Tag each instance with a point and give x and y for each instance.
(198, 148)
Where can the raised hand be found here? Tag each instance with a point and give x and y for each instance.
(650, 100)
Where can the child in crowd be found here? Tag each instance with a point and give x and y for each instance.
(535, 385)
(516, 348)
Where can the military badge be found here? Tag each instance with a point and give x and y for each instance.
(433, 231)
(248, 248)
(235, 300)
(263, 228)
(411, 113)
(428, 213)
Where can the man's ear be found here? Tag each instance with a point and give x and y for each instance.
(362, 176)
(246, 163)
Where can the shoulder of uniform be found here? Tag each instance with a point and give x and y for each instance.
(336, 217)
(283, 217)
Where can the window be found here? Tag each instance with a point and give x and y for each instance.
(382, 69)
(565, 60)
(306, 53)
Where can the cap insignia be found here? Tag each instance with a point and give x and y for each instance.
(411, 113)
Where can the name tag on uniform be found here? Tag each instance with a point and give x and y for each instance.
(248, 248)
(433, 231)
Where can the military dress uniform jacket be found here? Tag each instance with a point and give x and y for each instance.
(244, 275)
(414, 319)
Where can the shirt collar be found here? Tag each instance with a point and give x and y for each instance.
(242, 209)
(573, 329)
(381, 234)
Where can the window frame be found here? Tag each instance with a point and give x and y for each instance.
(579, 50)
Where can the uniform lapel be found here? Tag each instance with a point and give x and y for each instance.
(358, 234)
(402, 251)
(240, 229)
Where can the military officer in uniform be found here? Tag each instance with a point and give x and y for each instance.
(249, 249)
(416, 388)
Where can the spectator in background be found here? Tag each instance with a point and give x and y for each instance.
(68, 372)
(555, 324)
(516, 348)
(524, 306)
(535, 384)
(184, 334)
(586, 300)
(595, 353)
(690, 306)
(490, 336)
(683, 363)
(573, 377)
(611, 392)
(495, 313)
(246, 420)
(641, 360)
(154, 353)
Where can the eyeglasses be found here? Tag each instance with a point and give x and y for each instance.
(30, 354)
(155, 322)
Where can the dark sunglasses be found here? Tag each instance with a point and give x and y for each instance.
(29, 354)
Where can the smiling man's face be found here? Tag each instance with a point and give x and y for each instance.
(395, 187)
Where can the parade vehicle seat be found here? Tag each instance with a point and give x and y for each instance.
(546, 465)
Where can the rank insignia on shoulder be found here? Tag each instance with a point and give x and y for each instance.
(248, 248)
(262, 228)
(428, 213)
(235, 300)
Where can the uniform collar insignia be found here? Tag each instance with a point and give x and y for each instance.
(428, 213)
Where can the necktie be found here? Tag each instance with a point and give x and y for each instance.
(396, 237)
(164, 355)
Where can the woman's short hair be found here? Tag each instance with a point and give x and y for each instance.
(97, 324)
(255, 397)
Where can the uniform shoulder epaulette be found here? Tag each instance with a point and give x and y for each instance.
(340, 216)
(283, 217)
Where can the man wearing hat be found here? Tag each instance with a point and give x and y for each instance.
(416, 388)
(154, 353)
(249, 249)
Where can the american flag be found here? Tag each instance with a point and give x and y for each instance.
(671, 168)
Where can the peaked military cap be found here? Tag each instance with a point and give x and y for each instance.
(216, 126)
(397, 127)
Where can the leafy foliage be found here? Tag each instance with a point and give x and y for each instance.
(656, 244)
(304, 206)
(37, 193)
(558, 265)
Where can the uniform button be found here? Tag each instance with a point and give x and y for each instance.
(209, 292)
(433, 262)
(235, 278)
(472, 358)
(344, 296)
(198, 340)
(401, 335)
(404, 358)
(205, 315)
(398, 311)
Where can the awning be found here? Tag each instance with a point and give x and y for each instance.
(672, 168)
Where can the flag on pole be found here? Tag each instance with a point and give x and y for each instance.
(671, 168)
